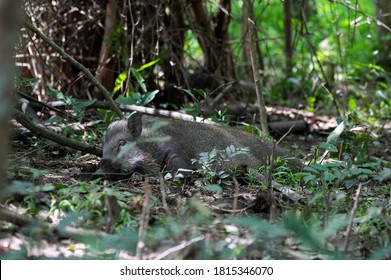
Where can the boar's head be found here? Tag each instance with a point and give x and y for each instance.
(121, 153)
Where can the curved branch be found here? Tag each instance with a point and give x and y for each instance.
(40, 130)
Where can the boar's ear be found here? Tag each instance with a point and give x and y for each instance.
(135, 125)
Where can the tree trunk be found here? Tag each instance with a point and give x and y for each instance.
(10, 15)
(105, 71)
(214, 42)
(288, 37)
(247, 14)
(383, 15)
(173, 32)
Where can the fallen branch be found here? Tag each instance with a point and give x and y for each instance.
(63, 141)
(142, 109)
(179, 247)
(38, 105)
(288, 126)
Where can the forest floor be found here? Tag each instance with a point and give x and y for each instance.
(51, 165)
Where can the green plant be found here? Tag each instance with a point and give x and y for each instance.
(76, 105)
(213, 167)
(131, 95)
(339, 172)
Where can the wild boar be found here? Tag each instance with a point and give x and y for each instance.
(126, 148)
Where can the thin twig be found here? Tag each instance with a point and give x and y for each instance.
(326, 200)
(163, 192)
(255, 70)
(378, 22)
(235, 202)
(233, 211)
(354, 210)
(179, 247)
(269, 185)
(287, 133)
(144, 221)
(78, 65)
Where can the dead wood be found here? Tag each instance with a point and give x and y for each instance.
(63, 141)
(284, 126)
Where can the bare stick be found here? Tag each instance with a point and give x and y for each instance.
(77, 64)
(236, 194)
(269, 185)
(163, 192)
(144, 221)
(179, 247)
(142, 109)
(257, 82)
(326, 200)
(157, 112)
(354, 210)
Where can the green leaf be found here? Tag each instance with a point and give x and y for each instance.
(84, 103)
(140, 79)
(334, 224)
(134, 99)
(384, 175)
(36, 173)
(195, 100)
(47, 188)
(336, 133)
(119, 81)
(148, 97)
(59, 186)
(54, 119)
(308, 178)
(19, 187)
(212, 154)
(202, 92)
(330, 177)
(352, 104)
(329, 147)
(214, 188)
(56, 94)
(317, 168)
(146, 65)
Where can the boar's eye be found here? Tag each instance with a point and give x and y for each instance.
(121, 143)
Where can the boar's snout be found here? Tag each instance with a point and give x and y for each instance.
(121, 169)
(100, 171)
(110, 170)
(106, 166)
